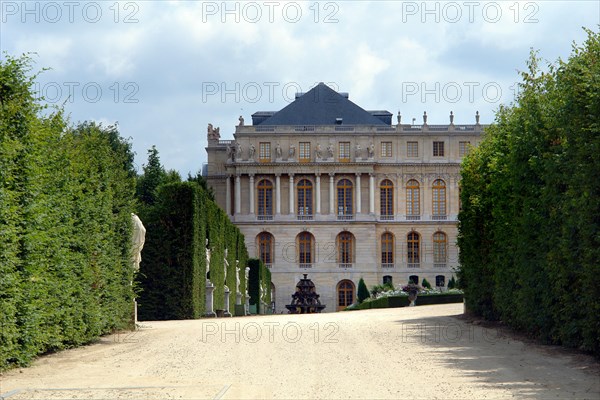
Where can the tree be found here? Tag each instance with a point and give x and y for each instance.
(426, 284)
(154, 175)
(452, 283)
(363, 292)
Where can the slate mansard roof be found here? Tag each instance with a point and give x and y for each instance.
(322, 106)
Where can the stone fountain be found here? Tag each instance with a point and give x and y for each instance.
(306, 299)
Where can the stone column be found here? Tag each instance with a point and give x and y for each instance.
(278, 194)
(210, 288)
(426, 206)
(228, 194)
(358, 202)
(226, 313)
(331, 194)
(292, 202)
(371, 194)
(251, 193)
(318, 193)
(238, 194)
(400, 199)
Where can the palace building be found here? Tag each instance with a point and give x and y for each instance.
(327, 188)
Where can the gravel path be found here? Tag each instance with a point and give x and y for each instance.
(421, 352)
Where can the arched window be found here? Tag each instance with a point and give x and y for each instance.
(440, 280)
(345, 242)
(439, 248)
(413, 242)
(439, 198)
(305, 249)
(413, 279)
(344, 200)
(387, 249)
(265, 248)
(345, 291)
(386, 194)
(265, 198)
(412, 198)
(305, 198)
(387, 279)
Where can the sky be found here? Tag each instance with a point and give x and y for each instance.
(163, 70)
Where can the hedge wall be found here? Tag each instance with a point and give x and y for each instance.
(402, 301)
(530, 221)
(259, 275)
(173, 267)
(66, 195)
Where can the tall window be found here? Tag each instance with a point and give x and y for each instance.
(412, 198)
(305, 249)
(344, 151)
(387, 248)
(463, 148)
(412, 149)
(265, 247)
(439, 197)
(344, 200)
(438, 149)
(345, 245)
(305, 197)
(386, 194)
(386, 149)
(265, 198)
(304, 151)
(439, 248)
(413, 244)
(345, 291)
(264, 151)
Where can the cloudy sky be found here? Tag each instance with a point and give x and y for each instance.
(165, 69)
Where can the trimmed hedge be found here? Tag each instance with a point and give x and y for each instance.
(66, 197)
(259, 275)
(173, 268)
(528, 229)
(402, 301)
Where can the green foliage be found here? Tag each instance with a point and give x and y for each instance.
(425, 283)
(528, 229)
(66, 197)
(179, 218)
(452, 283)
(363, 292)
(259, 276)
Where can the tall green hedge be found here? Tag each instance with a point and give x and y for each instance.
(529, 229)
(259, 275)
(173, 267)
(66, 197)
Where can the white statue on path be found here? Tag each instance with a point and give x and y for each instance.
(225, 267)
(247, 274)
(262, 293)
(138, 239)
(237, 275)
(207, 259)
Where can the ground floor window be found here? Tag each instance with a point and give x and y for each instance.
(345, 292)
(413, 279)
(387, 279)
(440, 281)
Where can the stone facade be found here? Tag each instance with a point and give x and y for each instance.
(280, 182)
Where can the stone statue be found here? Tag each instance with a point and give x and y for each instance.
(371, 150)
(212, 133)
(399, 118)
(424, 118)
(477, 117)
(237, 276)
(292, 151)
(230, 153)
(238, 151)
(278, 151)
(137, 241)
(251, 152)
(247, 275)
(357, 150)
(207, 259)
(451, 118)
(262, 293)
(318, 153)
(330, 151)
(241, 119)
(225, 267)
